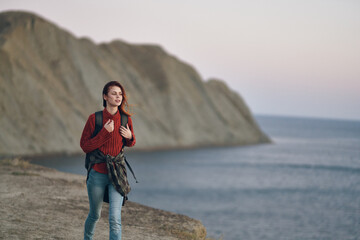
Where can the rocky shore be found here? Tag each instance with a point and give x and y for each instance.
(42, 203)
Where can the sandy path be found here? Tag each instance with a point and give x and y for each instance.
(42, 203)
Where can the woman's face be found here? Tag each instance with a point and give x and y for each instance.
(114, 97)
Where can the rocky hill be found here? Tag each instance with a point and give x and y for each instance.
(51, 81)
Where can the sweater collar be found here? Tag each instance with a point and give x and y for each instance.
(109, 115)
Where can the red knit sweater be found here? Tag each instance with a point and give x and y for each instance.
(108, 142)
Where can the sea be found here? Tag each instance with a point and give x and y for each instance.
(303, 185)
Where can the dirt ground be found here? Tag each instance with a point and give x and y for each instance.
(42, 203)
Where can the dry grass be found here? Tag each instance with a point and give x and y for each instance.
(18, 162)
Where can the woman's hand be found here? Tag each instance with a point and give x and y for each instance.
(109, 125)
(125, 132)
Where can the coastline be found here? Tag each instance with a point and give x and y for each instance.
(40, 202)
(32, 156)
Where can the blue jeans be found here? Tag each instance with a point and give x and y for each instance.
(96, 185)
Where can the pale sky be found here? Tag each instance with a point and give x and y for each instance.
(290, 57)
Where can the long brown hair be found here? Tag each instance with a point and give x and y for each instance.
(124, 103)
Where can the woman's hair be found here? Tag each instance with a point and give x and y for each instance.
(124, 103)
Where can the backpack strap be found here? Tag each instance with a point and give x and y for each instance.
(98, 123)
(124, 121)
(98, 126)
(132, 172)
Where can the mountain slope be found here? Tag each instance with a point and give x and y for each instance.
(51, 81)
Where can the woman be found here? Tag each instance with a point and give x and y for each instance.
(109, 141)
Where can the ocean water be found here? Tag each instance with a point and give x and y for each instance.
(305, 185)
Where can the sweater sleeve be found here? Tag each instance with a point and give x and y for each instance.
(89, 144)
(131, 142)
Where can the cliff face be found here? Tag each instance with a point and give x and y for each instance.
(50, 82)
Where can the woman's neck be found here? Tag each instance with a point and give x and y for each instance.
(112, 110)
